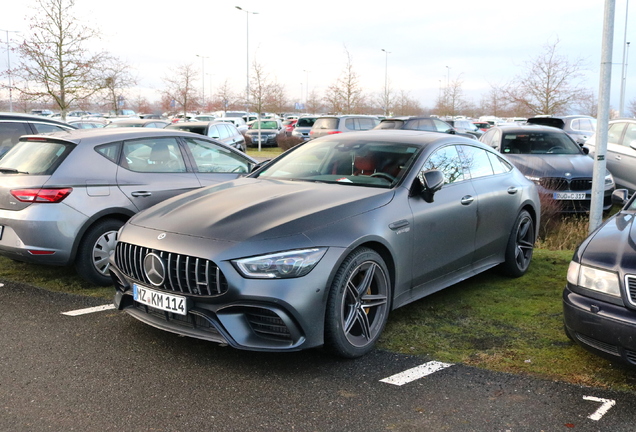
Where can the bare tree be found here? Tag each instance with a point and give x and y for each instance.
(495, 102)
(314, 103)
(276, 99)
(404, 105)
(180, 86)
(345, 95)
(224, 96)
(452, 101)
(117, 79)
(550, 83)
(55, 61)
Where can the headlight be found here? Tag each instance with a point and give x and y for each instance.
(297, 133)
(594, 279)
(288, 264)
(537, 180)
(609, 180)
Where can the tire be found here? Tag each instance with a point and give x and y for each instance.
(358, 304)
(94, 250)
(520, 246)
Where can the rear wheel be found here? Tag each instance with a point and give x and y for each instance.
(358, 304)
(96, 247)
(520, 246)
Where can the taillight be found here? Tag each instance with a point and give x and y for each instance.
(41, 195)
(333, 132)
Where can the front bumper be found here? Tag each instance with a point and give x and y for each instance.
(251, 314)
(603, 328)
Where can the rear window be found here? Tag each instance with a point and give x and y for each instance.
(391, 124)
(36, 157)
(326, 123)
(305, 122)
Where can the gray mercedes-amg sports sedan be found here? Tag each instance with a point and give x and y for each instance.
(317, 246)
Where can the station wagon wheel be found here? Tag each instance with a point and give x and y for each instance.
(520, 246)
(358, 304)
(96, 247)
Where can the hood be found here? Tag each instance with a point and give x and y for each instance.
(613, 246)
(556, 165)
(259, 209)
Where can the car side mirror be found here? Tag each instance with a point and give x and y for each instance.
(620, 197)
(451, 131)
(586, 150)
(431, 181)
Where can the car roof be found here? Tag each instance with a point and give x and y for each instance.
(104, 135)
(403, 136)
(528, 128)
(29, 117)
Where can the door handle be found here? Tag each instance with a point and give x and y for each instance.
(513, 190)
(467, 200)
(141, 194)
(618, 157)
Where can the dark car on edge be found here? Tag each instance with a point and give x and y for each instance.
(549, 157)
(225, 132)
(317, 247)
(599, 300)
(14, 125)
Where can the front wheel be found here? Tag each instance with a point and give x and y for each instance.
(96, 247)
(358, 304)
(520, 246)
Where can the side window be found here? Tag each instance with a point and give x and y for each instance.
(630, 134)
(440, 126)
(153, 155)
(110, 151)
(213, 131)
(366, 123)
(615, 132)
(211, 158)
(351, 124)
(10, 133)
(576, 124)
(499, 165)
(446, 160)
(476, 162)
(46, 128)
(224, 131)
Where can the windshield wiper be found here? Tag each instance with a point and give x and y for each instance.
(11, 171)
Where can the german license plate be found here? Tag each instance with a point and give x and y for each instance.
(569, 195)
(159, 300)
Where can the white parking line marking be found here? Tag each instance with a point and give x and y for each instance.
(415, 373)
(607, 404)
(89, 310)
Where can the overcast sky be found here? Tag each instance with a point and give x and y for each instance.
(302, 44)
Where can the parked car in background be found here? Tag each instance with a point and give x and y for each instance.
(136, 122)
(236, 121)
(599, 299)
(579, 127)
(550, 157)
(88, 124)
(465, 126)
(317, 247)
(482, 125)
(63, 196)
(303, 127)
(328, 125)
(224, 132)
(14, 125)
(268, 131)
(288, 126)
(204, 117)
(620, 156)
(430, 124)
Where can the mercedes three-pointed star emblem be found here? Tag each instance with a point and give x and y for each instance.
(155, 269)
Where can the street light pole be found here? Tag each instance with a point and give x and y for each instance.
(624, 71)
(386, 81)
(202, 77)
(247, 26)
(306, 86)
(9, 68)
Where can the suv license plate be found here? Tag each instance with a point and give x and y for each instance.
(569, 195)
(159, 300)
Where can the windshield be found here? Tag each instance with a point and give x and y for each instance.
(306, 122)
(539, 143)
(390, 124)
(264, 125)
(361, 163)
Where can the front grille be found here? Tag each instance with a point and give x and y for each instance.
(630, 283)
(563, 184)
(192, 321)
(602, 346)
(185, 274)
(631, 356)
(268, 324)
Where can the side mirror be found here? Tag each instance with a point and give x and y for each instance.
(586, 150)
(451, 131)
(620, 197)
(431, 181)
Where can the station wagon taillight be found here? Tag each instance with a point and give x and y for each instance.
(41, 195)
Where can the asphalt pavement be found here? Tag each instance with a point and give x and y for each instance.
(105, 371)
